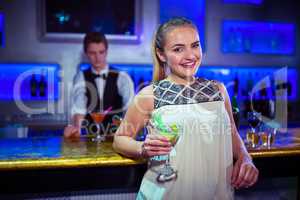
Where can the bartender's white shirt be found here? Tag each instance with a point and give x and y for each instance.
(79, 100)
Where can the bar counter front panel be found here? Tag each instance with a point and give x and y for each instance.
(54, 165)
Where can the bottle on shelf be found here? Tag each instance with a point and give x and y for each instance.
(235, 111)
(42, 84)
(235, 107)
(289, 88)
(141, 84)
(236, 84)
(33, 85)
(248, 94)
(265, 101)
(272, 86)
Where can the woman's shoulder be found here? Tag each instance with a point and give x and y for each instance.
(144, 98)
(204, 82)
(219, 86)
(212, 82)
(210, 87)
(147, 90)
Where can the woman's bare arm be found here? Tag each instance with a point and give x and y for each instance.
(244, 172)
(238, 146)
(137, 116)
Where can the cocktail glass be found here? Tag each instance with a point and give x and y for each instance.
(172, 133)
(98, 118)
(254, 118)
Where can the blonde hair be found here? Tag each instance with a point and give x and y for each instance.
(159, 71)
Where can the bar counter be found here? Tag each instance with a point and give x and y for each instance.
(287, 143)
(57, 152)
(35, 167)
(55, 164)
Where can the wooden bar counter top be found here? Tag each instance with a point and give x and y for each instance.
(286, 143)
(58, 152)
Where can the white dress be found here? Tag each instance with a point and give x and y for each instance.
(203, 154)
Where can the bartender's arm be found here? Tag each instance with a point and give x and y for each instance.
(78, 107)
(125, 89)
(73, 130)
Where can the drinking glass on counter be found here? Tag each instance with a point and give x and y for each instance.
(254, 119)
(98, 117)
(271, 137)
(268, 136)
(265, 137)
(252, 138)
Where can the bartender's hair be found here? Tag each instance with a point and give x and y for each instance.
(158, 43)
(94, 37)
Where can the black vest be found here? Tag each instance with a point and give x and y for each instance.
(111, 97)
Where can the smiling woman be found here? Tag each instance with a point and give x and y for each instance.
(182, 53)
(199, 163)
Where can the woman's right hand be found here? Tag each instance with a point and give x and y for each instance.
(155, 145)
(71, 131)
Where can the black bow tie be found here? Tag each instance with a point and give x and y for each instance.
(103, 76)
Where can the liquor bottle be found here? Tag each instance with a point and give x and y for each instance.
(33, 85)
(257, 95)
(265, 101)
(289, 88)
(272, 87)
(235, 107)
(235, 111)
(249, 87)
(236, 84)
(249, 83)
(141, 84)
(42, 85)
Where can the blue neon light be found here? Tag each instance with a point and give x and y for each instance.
(18, 85)
(251, 77)
(256, 2)
(258, 37)
(248, 77)
(191, 9)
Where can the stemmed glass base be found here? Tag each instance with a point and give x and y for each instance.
(167, 173)
(99, 137)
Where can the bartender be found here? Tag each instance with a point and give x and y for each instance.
(98, 89)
